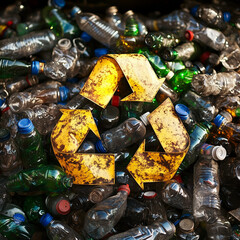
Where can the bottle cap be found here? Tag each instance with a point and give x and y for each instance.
(182, 111)
(2, 101)
(144, 118)
(63, 92)
(96, 196)
(115, 101)
(169, 54)
(99, 147)
(186, 225)
(204, 57)
(149, 195)
(124, 188)
(25, 126)
(85, 37)
(46, 219)
(226, 16)
(169, 75)
(178, 178)
(4, 134)
(189, 35)
(219, 153)
(35, 67)
(100, 52)
(218, 120)
(237, 111)
(63, 207)
(59, 3)
(193, 10)
(112, 9)
(18, 218)
(64, 44)
(150, 40)
(74, 11)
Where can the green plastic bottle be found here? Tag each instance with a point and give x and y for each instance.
(158, 65)
(14, 68)
(58, 21)
(47, 179)
(181, 81)
(15, 227)
(30, 145)
(198, 136)
(34, 207)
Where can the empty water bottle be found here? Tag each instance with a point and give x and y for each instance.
(114, 18)
(217, 153)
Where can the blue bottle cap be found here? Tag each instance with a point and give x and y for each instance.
(86, 37)
(18, 218)
(182, 111)
(218, 120)
(35, 67)
(4, 134)
(25, 126)
(74, 10)
(100, 52)
(59, 3)
(99, 147)
(62, 103)
(72, 80)
(64, 91)
(194, 10)
(2, 101)
(226, 16)
(46, 219)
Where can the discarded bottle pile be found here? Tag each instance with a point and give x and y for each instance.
(46, 58)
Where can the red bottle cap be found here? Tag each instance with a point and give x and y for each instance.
(189, 35)
(204, 57)
(149, 195)
(124, 188)
(9, 23)
(63, 207)
(178, 178)
(115, 101)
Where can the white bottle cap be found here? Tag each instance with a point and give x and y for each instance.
(64, 44)
(169, 75)
(219, 153)
(144, 118)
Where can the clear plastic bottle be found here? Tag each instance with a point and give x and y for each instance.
(30, 145)
(184, 52)
(156, 210)
(114, 18)
(186, 116)
(206, 200)
(198, 136)
(10, 159)
(182, 20)
(48, 178)
(58, 204)
(97, 28)
(116, 139)
(28, 44)
(23, 100)
(101, 218)
(211, 16)
(161, 40)
(177, 196)
(10, 209)
(229, 57)
(202, 108)
(57, 229)
(44, 117)
(223, 83)
(20, 83)
(160, 230)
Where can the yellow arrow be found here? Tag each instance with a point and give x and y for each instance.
(104, 79)
(161, 166)
(66, 138)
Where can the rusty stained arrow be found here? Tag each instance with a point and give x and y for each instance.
(104, 79)
(161, 166)
(66, 138)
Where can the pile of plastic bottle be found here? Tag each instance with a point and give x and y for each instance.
(47, 55)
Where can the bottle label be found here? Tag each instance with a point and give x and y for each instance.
(206, 149)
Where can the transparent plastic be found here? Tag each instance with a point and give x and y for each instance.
(160, 230)
(229, 57)
(114, 18)
(28, 44)
(127, 133)
(223, 83)
(176, 195)
(101, 218)
(206, 200)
